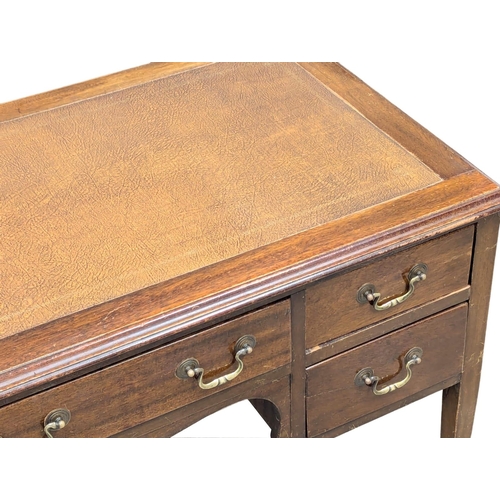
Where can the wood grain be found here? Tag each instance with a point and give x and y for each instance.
(92, 88)
(124, 395)
(333, 398)
(145, 228)
(387, 409)
(332, 309)
(459, 401)
(272, 388)
(147, 318)
(358, 337)
(412, 136)
(298, 377)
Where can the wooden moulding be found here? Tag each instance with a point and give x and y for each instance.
(413, 137)
(92, 88)
(99, 195)
(144, 387)
(71, 346)
(146, 319)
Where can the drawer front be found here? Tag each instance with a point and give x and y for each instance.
(334, 399)
(145, 387)
(332, 308)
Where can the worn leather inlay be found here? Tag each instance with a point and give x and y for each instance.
(115, 193)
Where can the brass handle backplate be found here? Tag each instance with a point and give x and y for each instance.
(368, 294)
(190, 368)
(367, 377)
(55, 421)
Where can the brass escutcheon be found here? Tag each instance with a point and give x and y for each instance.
(56, 420)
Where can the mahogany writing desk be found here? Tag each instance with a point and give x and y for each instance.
(179, 237)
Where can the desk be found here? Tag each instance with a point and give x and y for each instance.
(162, 214)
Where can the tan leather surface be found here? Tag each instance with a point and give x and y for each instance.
(113, 194)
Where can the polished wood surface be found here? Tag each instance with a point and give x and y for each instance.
(122, 191)
(404, 130)
(271, 392)
(92, 88)
(131, 324)
(126, 394)
(298, 378)
(143, 319)
(334, 400)
(155, 209)
(358, 337)
(332, 309)
(459, 401)
(441, 386)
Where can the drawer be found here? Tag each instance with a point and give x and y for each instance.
(332, 308)
(134, 391)
(334, 399)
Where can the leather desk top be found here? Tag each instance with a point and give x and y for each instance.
(112, 194)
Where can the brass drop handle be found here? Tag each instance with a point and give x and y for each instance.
(55, 421)
(190, 368)
(366, 375)
(367, 292)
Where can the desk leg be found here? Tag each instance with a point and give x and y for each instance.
(459, 401)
